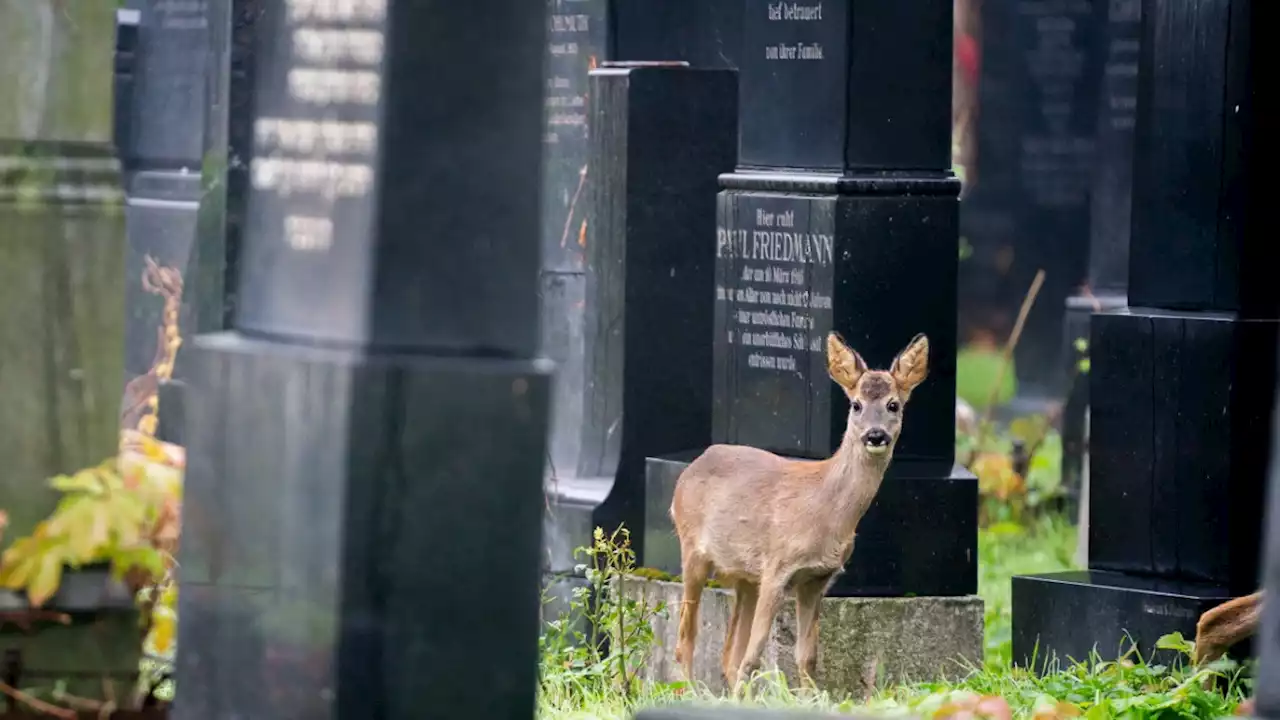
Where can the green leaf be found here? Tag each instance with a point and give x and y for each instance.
(1175, 641)
(45, 580)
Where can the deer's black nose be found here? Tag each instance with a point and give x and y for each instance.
(876, 437)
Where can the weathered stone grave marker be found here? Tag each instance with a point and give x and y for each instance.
(1182, 380)
(372, 433)
(160, 134)
(62, 248)
(841, 216)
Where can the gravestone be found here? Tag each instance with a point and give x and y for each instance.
(1028, 182)
(1110, 212)
(585, 34)
(1268, 646)
(1182, 380)
(373, 430)
(62, 249)
(841, 216)
(160, 137)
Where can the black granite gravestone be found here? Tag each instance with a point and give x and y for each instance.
(583, 34)
(1183, 380)
(842, 216)
(1109, 207)
(160, 140)
(362, 512)
(1028, 190)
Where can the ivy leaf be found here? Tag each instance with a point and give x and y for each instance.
(82, 482)
(44, 582)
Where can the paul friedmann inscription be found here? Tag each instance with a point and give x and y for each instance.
(772, 306)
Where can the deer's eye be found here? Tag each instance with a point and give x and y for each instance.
(857, 406)
(892, 406)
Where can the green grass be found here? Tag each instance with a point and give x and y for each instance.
(1095, 690)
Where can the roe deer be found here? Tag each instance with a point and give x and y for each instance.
(1225, 625)
(764, 524)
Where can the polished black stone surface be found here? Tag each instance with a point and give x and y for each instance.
(1070, 614)
(1180, 427)
(1197, 243)
(330, 496)
(1111, 201)
(815, 93)
(342, 255)
(918, 538)
(703, 33)
(209, 293)
(872, 258)
(661, 137)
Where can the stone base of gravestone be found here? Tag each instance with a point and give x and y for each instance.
(95, 654)
(1080, 309)
(1180, 415)
(864, 644)
(1066, 616)
(919, 537)
(356, 533)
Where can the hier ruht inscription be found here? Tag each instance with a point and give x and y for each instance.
(774, 258)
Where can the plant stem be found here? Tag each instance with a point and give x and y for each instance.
(36, 704)
(1010, 344)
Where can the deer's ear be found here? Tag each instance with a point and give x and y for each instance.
(911, 366)
(843, 363)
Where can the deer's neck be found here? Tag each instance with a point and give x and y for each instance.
(852, 479)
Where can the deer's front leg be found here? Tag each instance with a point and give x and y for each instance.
(767, 603)
(808, 605)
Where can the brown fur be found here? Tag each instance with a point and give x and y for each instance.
(1225, 625)
(765, 525)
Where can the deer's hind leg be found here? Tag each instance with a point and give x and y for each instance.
(694, 572)
(739, 630)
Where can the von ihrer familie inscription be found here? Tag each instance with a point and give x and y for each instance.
(793, 83)
(775, 261)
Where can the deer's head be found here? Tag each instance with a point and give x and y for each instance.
(876, 397)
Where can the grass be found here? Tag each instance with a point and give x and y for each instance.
(1095, 690)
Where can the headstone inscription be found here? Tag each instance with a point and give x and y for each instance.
(842, 216)
(1182, 381)
(62, 249)
(1027, 193)
(1110, 213)
(332, 465)
(160, 143)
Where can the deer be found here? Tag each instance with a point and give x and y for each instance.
(765, 525)
(1224, 625)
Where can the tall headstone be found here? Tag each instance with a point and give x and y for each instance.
(62, 249)
(582, 35)
(841, 216)
(1110, 212)
(1183, 379)
(373, 430)
(1028, 183)
(160, 139)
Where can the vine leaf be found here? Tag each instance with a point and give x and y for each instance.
(44, 583)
